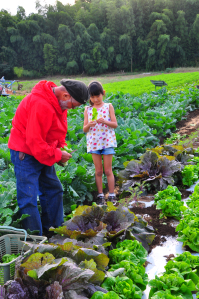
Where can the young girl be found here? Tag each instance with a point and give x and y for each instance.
(101, 138)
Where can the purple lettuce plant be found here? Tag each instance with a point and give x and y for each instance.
(151, 169)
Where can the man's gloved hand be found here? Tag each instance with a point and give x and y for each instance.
(64, 159)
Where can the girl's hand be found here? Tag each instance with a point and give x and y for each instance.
(92, 123)
(101, 120)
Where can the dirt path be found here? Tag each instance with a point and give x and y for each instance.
(189, 126)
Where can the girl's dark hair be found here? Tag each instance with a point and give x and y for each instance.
(95, 89)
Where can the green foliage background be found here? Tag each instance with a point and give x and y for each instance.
(100, 36)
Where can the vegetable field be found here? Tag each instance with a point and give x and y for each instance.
(101, 251)
(137, 86)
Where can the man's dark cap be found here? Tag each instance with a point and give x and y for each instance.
(77, 89)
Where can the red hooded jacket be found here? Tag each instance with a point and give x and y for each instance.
(39, 125)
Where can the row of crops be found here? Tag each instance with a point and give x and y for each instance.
(175, 82)
(94, 264)
(100, 251)
(136, 87)
(141, 121)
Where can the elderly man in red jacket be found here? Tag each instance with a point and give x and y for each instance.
(38, 132)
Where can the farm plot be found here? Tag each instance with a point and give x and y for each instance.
(141, 123)
(101, 252)
(137, 86)
(97, 239)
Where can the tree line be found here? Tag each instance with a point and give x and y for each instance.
(100, 36)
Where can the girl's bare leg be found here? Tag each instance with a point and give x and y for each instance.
(109, 173)
(97, 159)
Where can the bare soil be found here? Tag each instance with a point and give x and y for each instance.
(189, 126)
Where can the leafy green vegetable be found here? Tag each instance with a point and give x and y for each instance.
(188, 228)
(33, 274)
(101, 295)
(190, 174)
(183, 269)
(73, 208)
(186, 256)
(7, 258)
(189, 232)
(135, 247)
(135, 272)
(129, 250)
(165, 295)
(170, 208)
(123, 286)
(94, 116)
(170, 191)
(173, 282)
(68, 150)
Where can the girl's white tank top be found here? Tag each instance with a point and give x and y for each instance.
(101, 136)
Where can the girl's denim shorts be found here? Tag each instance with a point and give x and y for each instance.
(105, 151)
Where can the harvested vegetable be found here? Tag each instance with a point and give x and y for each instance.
(94, 116)
(7, 258)
(68, 150)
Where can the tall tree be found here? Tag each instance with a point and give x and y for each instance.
(98, 10)
(65, 47)
(124, 57)
(84, 17)
(22, 39)
(194, 42)
(107, 43)
(181, 31)
(142, 46)
(6, 20)
(39, 41)
(49, 58)
(8, 59)
(21, 13)
(177, 54)
(57, 18)
(93, 31)
(157, 39)
(79, 29)
(100, 62)
(163, 51)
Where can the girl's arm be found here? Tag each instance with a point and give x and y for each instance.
(87, 124)
(113, 122)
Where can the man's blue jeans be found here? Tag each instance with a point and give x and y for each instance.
(34, 178)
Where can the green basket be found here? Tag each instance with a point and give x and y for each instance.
(14, 244)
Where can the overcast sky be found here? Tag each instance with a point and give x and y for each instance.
(28, 5)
